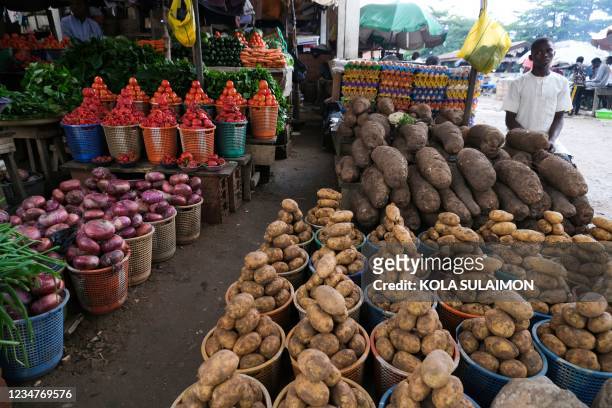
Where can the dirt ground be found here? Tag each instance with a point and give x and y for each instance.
(589, 140)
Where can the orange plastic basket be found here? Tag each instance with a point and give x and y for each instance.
(199, 142)
(263, 121)
(159, 142)
(451, 317)
(102, 290)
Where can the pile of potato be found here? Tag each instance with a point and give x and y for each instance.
(500, 341)
(581, 333)
(413, 333)
(327, 327)
(330, 273)
(281, 247)
(219, 385)
(602, 231)
(431, 384)
(392, 229)
(254, 338)
(328, 201)
(261, 281)
(291, 214)
(448, 231)
(340, 233)
(320, 384)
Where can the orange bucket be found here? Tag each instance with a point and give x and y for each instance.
(263, 121)
(159, 142)
(199, 142)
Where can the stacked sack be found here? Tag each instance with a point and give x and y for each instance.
(261, 281)
(291, 214)
(219, 385)
(392, 229)
(328, 202)
(281, 247)
(320, 385)
(500, 341)
(254, 338)
(431, 384)
(413, 333)
(328, 328)
(581, 333)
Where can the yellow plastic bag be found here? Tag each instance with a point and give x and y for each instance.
(486, 44)
(184, 30)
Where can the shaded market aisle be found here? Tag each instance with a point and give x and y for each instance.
(147, 352)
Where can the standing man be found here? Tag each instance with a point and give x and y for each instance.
(78, 25)
(536, 100)
(602, 77)
(579, 79)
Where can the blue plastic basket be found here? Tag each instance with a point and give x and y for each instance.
(482, 383)
(44, 351)
(583, 382)
(85, 141)
(387, 396)
(230, 138)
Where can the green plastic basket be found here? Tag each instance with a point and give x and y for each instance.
(603, 114)
(231, 139)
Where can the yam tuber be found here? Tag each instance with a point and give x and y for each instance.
(561, 174)
(415, 136)
(462, 191)
(527, 140)
(510, 202)
(373, 134)
(374, 187)
(476, 168)
(449, 135)
(433, 167)
(452, 203)
(361, 154)
(523, 181)
(486, 138)
(365, 214)
(424, 196)
(393, 165)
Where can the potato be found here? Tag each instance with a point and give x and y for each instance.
(604, 342)
(252, 360)
(468, 342)
(295, 347)
(344, 358)
(499, 323)
(575, 338)
(436, 369)
(218, 368)
(485, 360)
(405, 341)
(583, 358)
(312, 393)
(522, 340)
(212, 345)
(227, 394)
(255, 260)
(385, 348)
(438, 340)
(501, 348)
(503, 228)
(600, 323)
(247, 344)
(326, 342)
(605, 360)
(501, 216)
(448, 395)
(239, 305)
(282, 297)
(573, 318)
(265, 275)
(248, 323)
(405, 320)
(345, 287)
(591, 305)
(514, 305)
(526, 235)
(314, 364)
(346, 330)
(326, 265)
(405, 361)
(358, 344)
(513, 369)
(329, 299)
(532, 360)
(270, 346)
(276, 228)
(478, 327)
(320, 321)
(342, 395)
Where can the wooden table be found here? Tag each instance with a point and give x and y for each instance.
(41, 131)
(598, 93)
(7, 148)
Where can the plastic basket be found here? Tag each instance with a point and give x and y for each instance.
(44, 351)
(268, 373)
(451, 318)
(308, 245)
(263, 121)
(188, 223)
(140, 261)
(123, 139)
(374, 315)
(483, 384)
(583, 382)
(387, 396)
(320, 244)
(281, 315)
(386, 375)
(159, 142)
(369, 248)
(355, 277)
(102, 290)
(281, 396)
(425, 249)
(297, 277)
(142, 107)
(231, 139)
(85, 141)
(164, 239)
(264, 391)
(199, 142)
(353, 312)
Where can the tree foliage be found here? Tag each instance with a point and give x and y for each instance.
(457, 27)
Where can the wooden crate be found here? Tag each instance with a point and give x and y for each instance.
(215, 192)
(235, 189)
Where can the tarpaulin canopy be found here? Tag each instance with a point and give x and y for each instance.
(603, 39)
(408, 25)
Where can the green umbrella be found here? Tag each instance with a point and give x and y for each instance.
(420, 27)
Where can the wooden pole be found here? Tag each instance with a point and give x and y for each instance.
(467, 113)
(197, 51)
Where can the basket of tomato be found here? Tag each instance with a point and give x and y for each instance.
(121, 129)
(230, 94)
(165, 92)
(231, 131)
(140, 98)
(197, 133)
(263, 112)
(196, 95)
(159, 130)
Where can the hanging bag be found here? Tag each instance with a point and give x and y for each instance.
(182, 22)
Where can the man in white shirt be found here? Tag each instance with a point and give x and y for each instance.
(78, 26)
(537, 100)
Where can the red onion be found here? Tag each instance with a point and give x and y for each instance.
(93, 214)
(55, 228)
(178, 200)
(169, 212)
(118, 187)
(91, 183)
(33, 202)
(32, 214)
(179, 178)
(31, 232)
(129, 232)
(54, 217)
(85, 262)
(112, 258)
(44, 245)
(72, 219)
(100, 173)
(130, 195)
(182, 189)
(4, 217)
(15, 220)
(121, 222)
(151, 217)
(142, 185)
(70, 185)
(58, 195)
(75, 197)
(136, 220)
(194, 199)
(152, 196)
(74, 209)
(51, 205)
(45, 284)
(87, 245)
(132, 206)
(110, 245)
(195, 182)
(45, 304)
(99, 230)
(144, 229)
(154, 176)
(167, 187)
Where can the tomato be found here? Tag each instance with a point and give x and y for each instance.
(195, 84)
(263, 84)
(165, 83)
(229, 84)
(98, 80)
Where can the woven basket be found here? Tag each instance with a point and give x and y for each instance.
(230, 139)
(355, 371)
(164, 239)
(159, 142)
(142, 106)
(281, 315)
(140, 261)
(297, 277)
(386, 375)
(353, 384)
(188, 223)
(263, 121)
(268, 373)
(123, 139)
(102, 290)
(451, 317)
(353, 312)
(199, 142)
(174, 107)
(264, 391)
